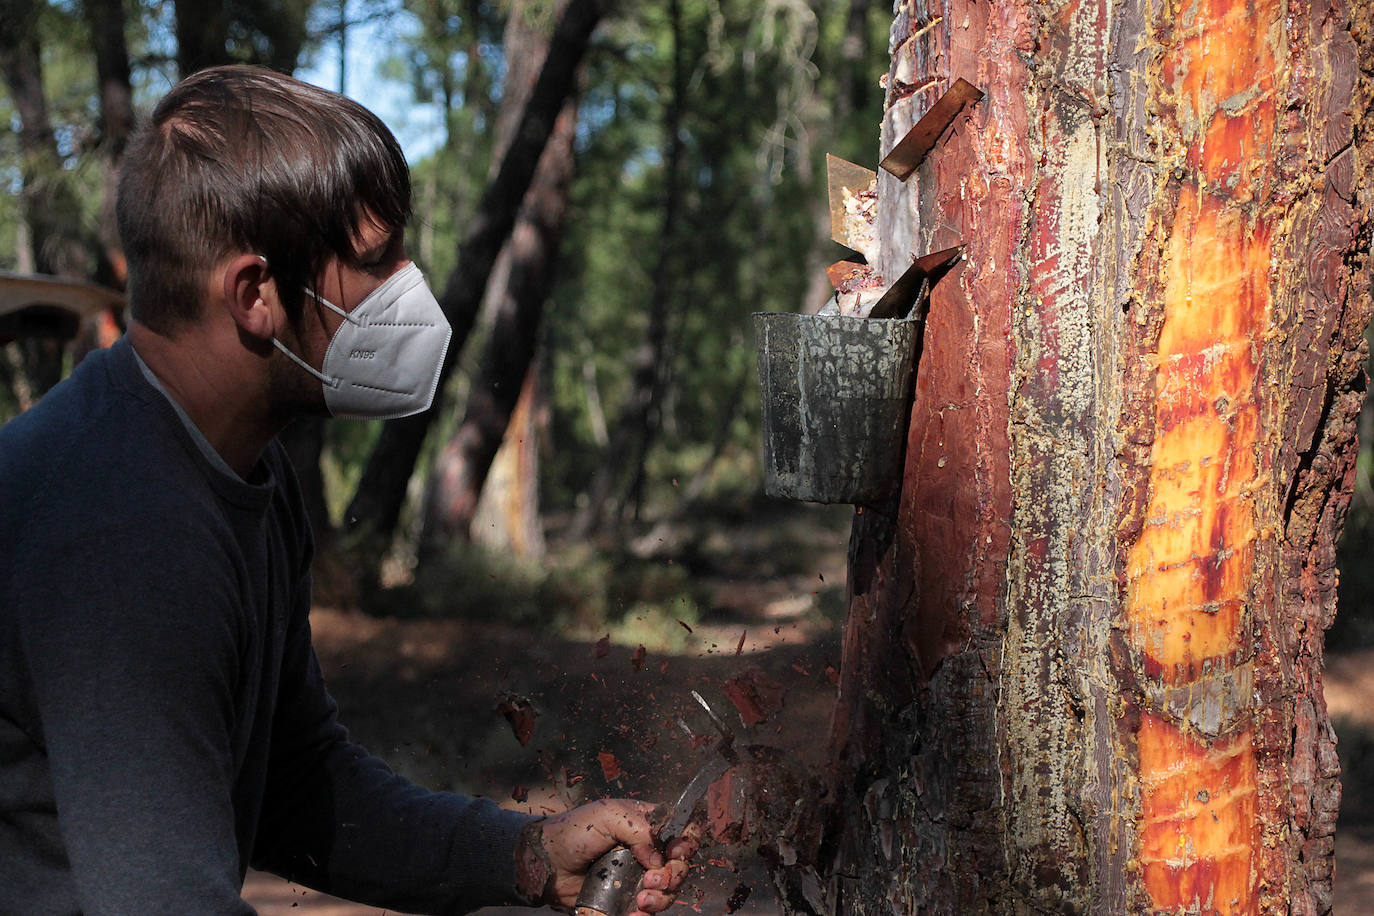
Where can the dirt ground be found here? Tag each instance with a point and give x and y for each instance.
(424, 695)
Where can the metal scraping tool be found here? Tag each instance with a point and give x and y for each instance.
(612, 883)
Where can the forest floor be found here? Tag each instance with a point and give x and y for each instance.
(766, 594)
(424, 694)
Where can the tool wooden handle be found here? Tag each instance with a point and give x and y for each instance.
(610, 887)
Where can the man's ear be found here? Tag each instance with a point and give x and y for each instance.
(250, 295)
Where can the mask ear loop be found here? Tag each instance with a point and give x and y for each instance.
(320, 299)
(324, 379)
(331, 382)
(331, 306)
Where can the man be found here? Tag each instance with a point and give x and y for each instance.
(163, 720)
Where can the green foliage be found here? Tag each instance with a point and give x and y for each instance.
(73, 111)
(451, 60)
(10, 215)
(756, 124)
(346, 447)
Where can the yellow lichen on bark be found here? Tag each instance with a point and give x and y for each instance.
(1189, 574)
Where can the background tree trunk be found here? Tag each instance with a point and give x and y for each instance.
(507, 518)
(526, 277)
(202, 35)
(621, 471)
(1082, 665)
(268, 33)
(105, 18)
(376, 506)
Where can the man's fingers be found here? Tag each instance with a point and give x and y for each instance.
(654, 901)
(648, 855)
(667, 878)
(685, 846)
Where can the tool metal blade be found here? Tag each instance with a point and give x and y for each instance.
(904, 294)
(912, 149)
(680, 814)
(720, 726)
(722, 757)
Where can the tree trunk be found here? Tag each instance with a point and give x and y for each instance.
(372, 515)
(507, 519)
(202, 35)
(282, 30)
(342, 26)
(50, 208)
(1082, 665)
(622, 467)
(461, 468)
(105, 18)
(268, 33)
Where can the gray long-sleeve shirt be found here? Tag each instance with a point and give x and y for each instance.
(163, 720)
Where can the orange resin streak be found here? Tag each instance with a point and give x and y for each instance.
(1189, 573)
(1198, 820)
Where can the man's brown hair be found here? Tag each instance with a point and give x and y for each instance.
(242, 159)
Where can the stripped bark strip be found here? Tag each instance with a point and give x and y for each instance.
(1198, 827)
(1250, 113)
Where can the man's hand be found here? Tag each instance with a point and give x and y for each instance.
(569, 843)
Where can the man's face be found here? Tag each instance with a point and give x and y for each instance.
(380, 253)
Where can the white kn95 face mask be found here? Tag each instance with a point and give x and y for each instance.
(384, 360)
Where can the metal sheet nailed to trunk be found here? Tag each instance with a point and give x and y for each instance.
(836, 395)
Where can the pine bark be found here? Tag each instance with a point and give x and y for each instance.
(1082, 664)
